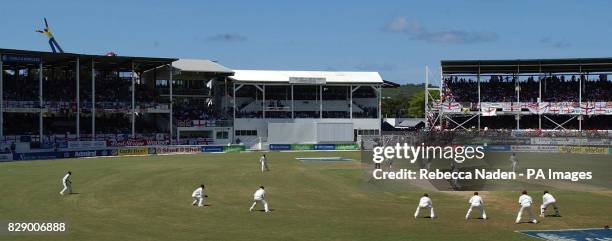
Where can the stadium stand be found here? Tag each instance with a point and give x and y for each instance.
(538, 94)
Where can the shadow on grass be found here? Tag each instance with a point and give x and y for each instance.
(271, 210)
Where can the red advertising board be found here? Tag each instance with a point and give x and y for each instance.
(136, 142)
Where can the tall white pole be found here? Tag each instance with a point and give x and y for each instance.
(425, 109)
(479, 98)
(78, 99)
(540, 96)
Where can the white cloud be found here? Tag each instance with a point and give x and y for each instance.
(453, 36)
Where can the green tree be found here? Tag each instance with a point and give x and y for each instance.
(406, 101)
(417, 104)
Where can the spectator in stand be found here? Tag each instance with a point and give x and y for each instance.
(555, 88)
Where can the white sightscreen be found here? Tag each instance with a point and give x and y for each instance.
(291, 133)
(334, 132)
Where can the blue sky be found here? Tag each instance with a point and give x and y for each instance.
(396, 38)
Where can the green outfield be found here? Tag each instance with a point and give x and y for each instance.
(148, 198)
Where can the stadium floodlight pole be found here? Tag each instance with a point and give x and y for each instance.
(40, 100)
(93, 101)
(425, 109)
(78, 99)
(1, 99)
(439, 118)
(171, 73)
(479, 97)
(134, 102)
(539, 95)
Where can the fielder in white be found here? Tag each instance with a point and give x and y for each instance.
(525, 202)
(476, 202)
(514, 162)
(198, 196)
(260, 196)
(549, 200)
(264, 163)
(67, 184)
(425, 202)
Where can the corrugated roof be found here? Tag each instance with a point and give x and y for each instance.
(316, 76)
(200, 65)
(411, 122)
(119, 62)
(526, 66)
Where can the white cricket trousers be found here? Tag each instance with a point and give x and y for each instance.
(67, 187)
(264, 166)
(480, 207)
(431, 211)
(525, 208)
(514, 166)
(546, 204)
(197, 200)
(263, 201)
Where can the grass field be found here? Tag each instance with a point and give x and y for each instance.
(148, 198)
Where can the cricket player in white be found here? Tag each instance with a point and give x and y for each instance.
(548, 200)
(525, 202)
(260, 196)
(514, 162)
(67, 184)
(425, 202)
(264, 163)
(476, 202)
(198, 196)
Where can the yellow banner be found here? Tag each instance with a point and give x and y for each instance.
(583, 149)
(133, 151)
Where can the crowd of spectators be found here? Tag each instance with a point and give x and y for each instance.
(555, 88)
(186, 113)
(510, 135)
(109, 88)
(368, 112)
